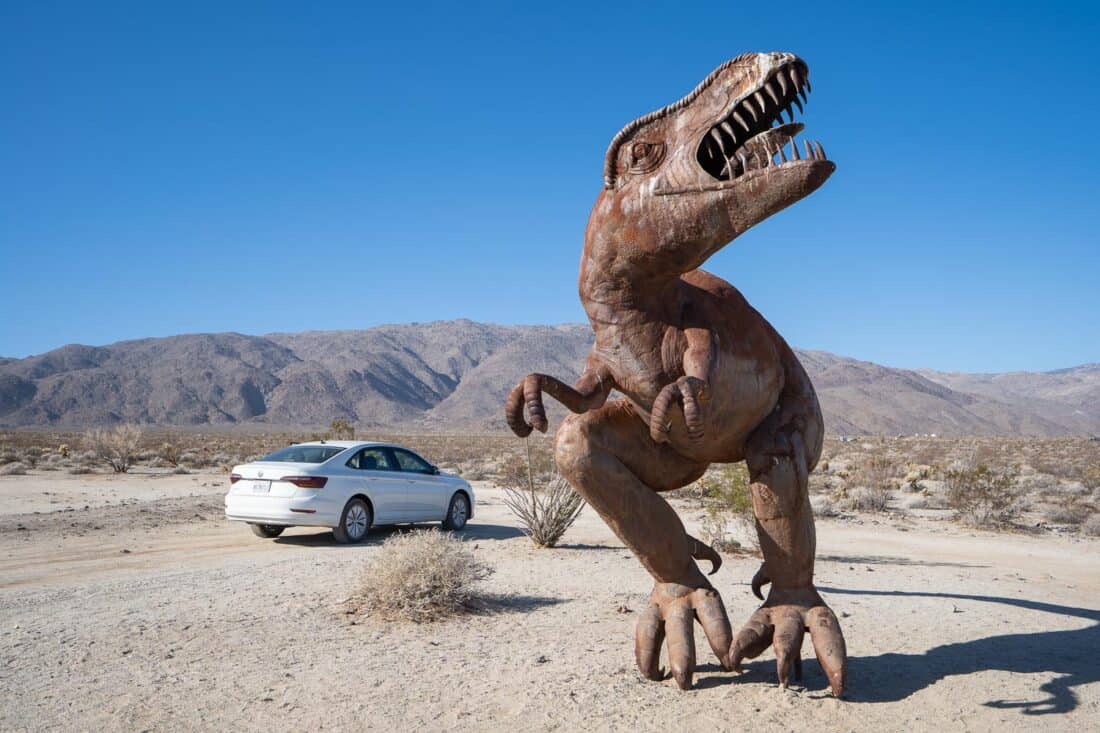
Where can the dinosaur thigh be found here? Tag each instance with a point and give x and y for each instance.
(608, 457)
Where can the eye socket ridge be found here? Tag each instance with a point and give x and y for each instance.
(643, 156)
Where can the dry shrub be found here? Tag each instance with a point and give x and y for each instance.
(728, 500)
(983, 496)
(1068, 509)
(1091, 526)
(823, 505)
(545, 514)
(170, 452)
(419, 576)
(873, 482)
(13, 469)
(118, 448)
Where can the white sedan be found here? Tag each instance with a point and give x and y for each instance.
(346, 485)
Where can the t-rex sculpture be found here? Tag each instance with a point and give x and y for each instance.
(704, 377)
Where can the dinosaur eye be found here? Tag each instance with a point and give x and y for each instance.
(645, 156)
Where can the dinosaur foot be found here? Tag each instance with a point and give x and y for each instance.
(781, 623)
(670, 614)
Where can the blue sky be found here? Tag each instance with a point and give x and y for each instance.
(187, 167)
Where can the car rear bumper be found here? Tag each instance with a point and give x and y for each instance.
(292, 511)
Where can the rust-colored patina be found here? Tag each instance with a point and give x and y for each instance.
(704, 377)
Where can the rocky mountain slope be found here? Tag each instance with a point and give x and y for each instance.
(454, 375)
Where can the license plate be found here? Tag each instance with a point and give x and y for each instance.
(261, 487)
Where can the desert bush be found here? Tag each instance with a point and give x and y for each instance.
(80, 470)
(8, 456)
(63, 450)
(13, 469)
(1067, 509)
(1091, 526)
(728, 500)
(547, 513)
(30, 456)
(419, 576)
(869, 499)
(117, 448)
(170, 452)
(982, 496)
(823, 505)
(340, 429)
(872, 484)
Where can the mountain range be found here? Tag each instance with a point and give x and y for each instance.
(454, 375)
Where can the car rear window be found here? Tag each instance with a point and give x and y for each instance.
(304, 454)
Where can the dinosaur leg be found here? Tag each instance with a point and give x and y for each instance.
(608, 457)
(780, 453)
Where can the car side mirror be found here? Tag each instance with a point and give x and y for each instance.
(434, 470)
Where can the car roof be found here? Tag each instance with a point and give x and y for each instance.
(344, 443)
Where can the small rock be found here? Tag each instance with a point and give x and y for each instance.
(124, 551)
(541, 659)
(623, 608)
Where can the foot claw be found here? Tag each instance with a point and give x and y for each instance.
(782, 622)
(671, 613)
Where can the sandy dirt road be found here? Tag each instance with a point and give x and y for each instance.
(147, 611)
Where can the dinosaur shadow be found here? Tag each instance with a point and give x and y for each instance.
(1070, 655)
(893, 560)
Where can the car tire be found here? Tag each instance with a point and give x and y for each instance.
(267, 531)
(355, 522)
(457, 513)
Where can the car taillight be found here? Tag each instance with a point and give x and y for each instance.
(234, 478)
(306, 482)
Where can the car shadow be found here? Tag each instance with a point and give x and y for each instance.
(379, 534)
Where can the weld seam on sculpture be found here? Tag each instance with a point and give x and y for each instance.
(703, 377)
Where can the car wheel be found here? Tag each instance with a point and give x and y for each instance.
(267, 531)
(457, 513)
(354, 524)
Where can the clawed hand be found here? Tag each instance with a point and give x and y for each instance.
(692, 393)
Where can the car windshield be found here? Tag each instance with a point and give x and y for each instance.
(304, 454)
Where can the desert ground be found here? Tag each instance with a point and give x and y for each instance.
(127, 602)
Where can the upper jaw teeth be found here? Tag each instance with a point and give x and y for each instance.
(742, 144)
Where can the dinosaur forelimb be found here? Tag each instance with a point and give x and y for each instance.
(590, 392)
(691, 393)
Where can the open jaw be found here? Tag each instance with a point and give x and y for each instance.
(753, 132)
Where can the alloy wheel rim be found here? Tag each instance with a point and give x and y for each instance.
(458, 514)
(356, 522)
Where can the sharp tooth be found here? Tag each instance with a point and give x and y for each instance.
(796, 76)
(782, 79)
(744, 161)
(820, 150)
(794, 150)
(802, 93)
(808, 87)
(809, 150)
(741, 121)
(729, 130)
(718, 139)
(782, 155)
(752, 110)
(770, 89)
(760, 100)
(799, 105)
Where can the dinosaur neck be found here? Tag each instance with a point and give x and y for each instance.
(612, 299)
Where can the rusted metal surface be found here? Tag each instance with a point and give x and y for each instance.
(704, 377)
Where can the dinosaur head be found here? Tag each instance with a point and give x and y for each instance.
(689, 178)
